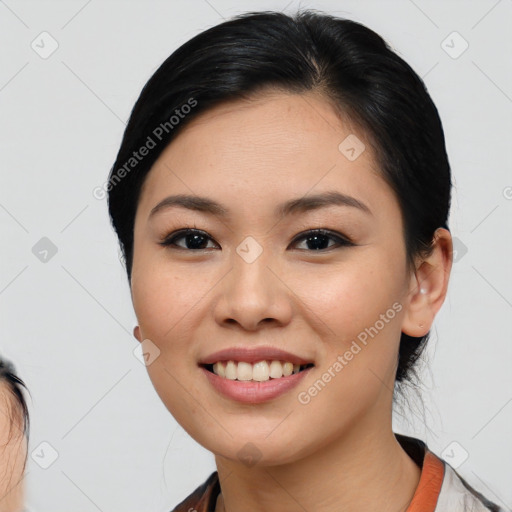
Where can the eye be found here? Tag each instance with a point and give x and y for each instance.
(316, 239)
(194, 238)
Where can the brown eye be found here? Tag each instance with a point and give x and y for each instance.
(194, 239)
(317, 239)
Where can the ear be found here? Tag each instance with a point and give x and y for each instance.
(428, 286)
(136, 333)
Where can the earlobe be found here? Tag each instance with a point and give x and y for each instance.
(136, 333)
(418, 316)
(428, 286)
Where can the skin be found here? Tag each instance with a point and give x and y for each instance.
(13, 453)
(337, 452)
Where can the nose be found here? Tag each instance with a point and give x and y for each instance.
(252, 294)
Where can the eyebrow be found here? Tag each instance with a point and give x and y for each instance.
(291, 207)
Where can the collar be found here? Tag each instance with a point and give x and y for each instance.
(425, 498)
(432, 474)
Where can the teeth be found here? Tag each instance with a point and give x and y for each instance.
(244, 371)
(276, 369)
(260, 371)
(220, 369)
(287, 369)
(231, 370)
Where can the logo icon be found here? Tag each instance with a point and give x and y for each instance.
(44, 45)
(454, 45)
(351, 147)
(44, 455)
(146, 352)
(249, 454)
(249, 249)
(44, 250)
(455, 454)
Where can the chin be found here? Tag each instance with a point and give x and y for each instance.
(256, 449)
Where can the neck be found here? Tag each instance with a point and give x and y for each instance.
(359, 472)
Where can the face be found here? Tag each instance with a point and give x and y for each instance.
(257, 277)
(13, 452)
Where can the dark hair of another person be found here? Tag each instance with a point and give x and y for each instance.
(351, 66)
(15, 385)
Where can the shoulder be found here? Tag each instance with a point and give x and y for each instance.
(441, 488)
(456, 494)
(203, 498)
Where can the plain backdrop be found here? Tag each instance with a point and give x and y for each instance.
(70, 73)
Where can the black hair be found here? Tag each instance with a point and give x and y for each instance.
(351, 66)
(20, 418)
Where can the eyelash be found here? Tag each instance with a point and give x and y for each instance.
(342, 241)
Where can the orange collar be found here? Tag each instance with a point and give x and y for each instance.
(424, 500)
(431, 479)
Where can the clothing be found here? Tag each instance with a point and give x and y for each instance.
(440, 488)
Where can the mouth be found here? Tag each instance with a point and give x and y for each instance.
(259, 371)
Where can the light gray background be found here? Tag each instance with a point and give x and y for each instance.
(67, 322)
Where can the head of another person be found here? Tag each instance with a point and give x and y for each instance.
(14, 434)
(252, 143)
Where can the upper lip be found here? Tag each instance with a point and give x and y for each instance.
(253, 355)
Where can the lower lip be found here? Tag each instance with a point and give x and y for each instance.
(252, 392)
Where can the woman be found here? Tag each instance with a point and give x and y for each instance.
(14, 431)
(281, 197)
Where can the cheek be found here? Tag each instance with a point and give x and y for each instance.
(350, 298)
(163, 300)
(360, 311)
(163, 297)
(360, 314)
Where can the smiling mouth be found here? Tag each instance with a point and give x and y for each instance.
(260, 371)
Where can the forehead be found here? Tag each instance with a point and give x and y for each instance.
(273, 144)
(291, 124)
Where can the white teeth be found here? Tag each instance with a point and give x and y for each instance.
(260, 371)
(287, 369)
(276, 369)
(231, 368)
(219, 369)
(244, 371)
